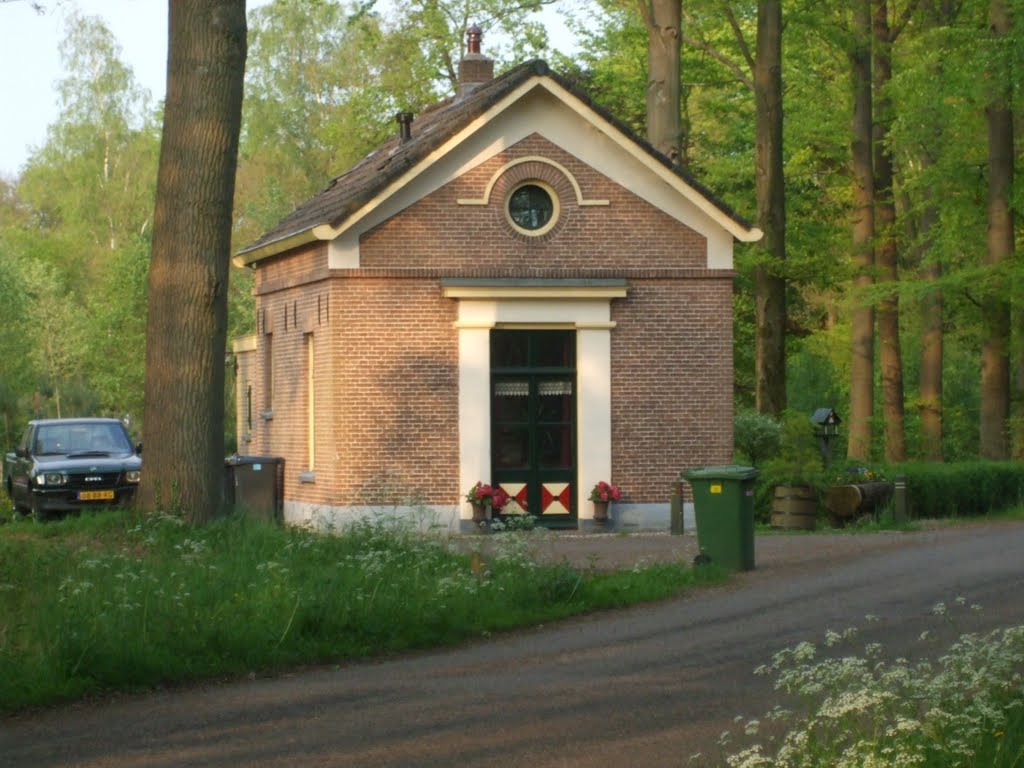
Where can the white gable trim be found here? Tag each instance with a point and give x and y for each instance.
(485, 290)
(531, 159)
(660, 186)
(693, 195)
(329, 232)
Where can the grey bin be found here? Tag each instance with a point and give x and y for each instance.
(254, 486)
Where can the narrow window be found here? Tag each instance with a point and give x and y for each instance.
(310, 401)
(248, 408)
(268, 376)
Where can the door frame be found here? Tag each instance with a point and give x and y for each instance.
(582, 305)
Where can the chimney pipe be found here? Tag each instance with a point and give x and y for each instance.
(404, 126)
(473, 38)
(475, 69)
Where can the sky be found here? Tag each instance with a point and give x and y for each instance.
(30, 61)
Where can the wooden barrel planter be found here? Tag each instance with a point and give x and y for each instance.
(847, 503)
(795, 507)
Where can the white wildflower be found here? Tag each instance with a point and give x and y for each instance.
(751, 757)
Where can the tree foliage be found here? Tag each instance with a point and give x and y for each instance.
(75, 242)
(324, 80)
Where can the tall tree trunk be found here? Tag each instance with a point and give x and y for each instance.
(663, 19)
(930, 384)
(769, 282)
(863, 318)
(890, 357)
(187, 322)
(995, 353)
(936, 13)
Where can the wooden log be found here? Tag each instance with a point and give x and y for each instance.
(848, 501)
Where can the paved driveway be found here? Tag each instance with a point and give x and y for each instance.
(648, 686)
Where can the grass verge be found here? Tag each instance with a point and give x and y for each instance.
(111, 602)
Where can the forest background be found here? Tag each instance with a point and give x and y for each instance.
(322, 85)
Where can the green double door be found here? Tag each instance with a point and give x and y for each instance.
(533, 423)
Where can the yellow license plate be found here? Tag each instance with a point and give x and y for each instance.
(95, 495)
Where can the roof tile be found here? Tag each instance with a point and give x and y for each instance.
(346, 193)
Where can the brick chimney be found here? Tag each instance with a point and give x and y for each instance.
(475, 69)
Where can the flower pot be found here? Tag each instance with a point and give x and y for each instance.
(795, 507)
(480, 513)
(601, 511)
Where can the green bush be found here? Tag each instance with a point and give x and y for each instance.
(756, 436)
(965, 489)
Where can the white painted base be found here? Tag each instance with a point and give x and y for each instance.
(625, 517)
(650, 517)
(327, 519)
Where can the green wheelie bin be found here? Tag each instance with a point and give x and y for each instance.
(723, 500)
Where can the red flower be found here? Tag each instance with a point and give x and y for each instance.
(487, 495)
(605, 491)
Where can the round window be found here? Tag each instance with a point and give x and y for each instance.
(532, 208)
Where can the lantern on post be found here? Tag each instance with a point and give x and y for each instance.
(826, 423)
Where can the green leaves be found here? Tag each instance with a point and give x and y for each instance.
(75, 245)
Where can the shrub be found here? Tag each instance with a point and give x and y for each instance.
(964, 489)
(756, 436)
(798, 461)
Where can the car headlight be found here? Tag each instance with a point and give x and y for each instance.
(133, 475)
(51, 478)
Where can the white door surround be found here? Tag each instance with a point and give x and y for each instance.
(583, 305)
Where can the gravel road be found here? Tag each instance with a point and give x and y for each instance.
(648, 686)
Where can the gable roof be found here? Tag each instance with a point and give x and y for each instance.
(348, 193)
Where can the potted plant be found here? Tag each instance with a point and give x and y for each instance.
(796, 473)
(603, 494)
(485, 500)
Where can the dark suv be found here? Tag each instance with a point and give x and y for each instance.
(68, 464)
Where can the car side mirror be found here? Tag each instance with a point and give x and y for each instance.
(21, 453)
(138, 447)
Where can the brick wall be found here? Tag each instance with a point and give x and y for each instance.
(387, 352)
(436, 232)
(396, 399)
(294, 302)
(672, 382)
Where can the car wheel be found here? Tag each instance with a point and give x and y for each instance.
(41, 515)
(21, 509)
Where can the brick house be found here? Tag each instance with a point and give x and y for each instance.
(514, 289)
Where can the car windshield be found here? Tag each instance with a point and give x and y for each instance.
(54, 439)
